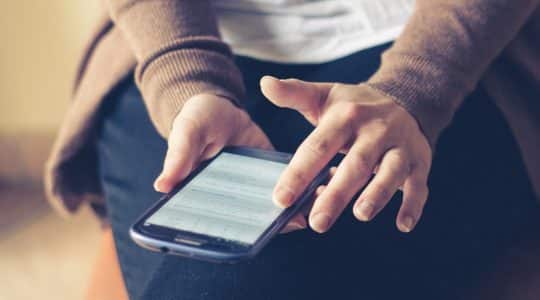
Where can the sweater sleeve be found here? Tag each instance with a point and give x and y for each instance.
(179, 54)
(442, 53)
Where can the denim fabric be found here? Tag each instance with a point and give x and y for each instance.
(481, 204)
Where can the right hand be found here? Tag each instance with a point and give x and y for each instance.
(206, 124)
(378, 137)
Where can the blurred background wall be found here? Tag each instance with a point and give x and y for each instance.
(39, 48)
(41, 255)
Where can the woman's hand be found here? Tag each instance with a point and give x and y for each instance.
(205, 125)
(377, 135)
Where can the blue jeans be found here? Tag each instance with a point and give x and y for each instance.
(481, 203)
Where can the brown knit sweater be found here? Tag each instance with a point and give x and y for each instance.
(445, 51)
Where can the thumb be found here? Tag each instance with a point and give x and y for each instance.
(305, 97)
(185, 144)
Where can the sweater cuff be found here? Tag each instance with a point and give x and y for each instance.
(182, 70)
(427, 92)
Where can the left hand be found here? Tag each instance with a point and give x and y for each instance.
(205, 124)
(377, 135)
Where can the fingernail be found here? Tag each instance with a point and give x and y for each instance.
(157, 183)
(407, 224)
(364, 211)
(283, 197)
(268, 77)
(320, 222)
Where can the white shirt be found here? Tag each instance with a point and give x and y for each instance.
(309, 31)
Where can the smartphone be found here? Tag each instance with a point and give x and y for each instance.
(223, 212)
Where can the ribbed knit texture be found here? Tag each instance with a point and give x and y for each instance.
(179, 54)
(440, 57)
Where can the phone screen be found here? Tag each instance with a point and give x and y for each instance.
(231, 199)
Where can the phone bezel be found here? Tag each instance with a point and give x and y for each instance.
(200, 246)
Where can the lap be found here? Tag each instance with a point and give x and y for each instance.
(479, 203)
(130, 154)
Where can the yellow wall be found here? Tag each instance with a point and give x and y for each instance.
(40, 43)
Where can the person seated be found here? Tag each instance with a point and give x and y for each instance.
(158, 83)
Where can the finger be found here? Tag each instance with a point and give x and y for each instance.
(312, 155)
(307, 207)
(298, 222)
(185, 144)
(322, 187)
(393, 170)
(352, 174)
(319, 190)
(415, 195)
(332, 172)
(305, 97)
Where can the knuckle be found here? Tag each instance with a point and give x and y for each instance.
(422, 188)
(378, 131)
(419, 188)
(337, 195)
(398, 173)
(318, 145)
(422, 165)
(350, 112)
(418, 184)
(384, 129)
(400, 169)
(381, 191)
(297, 179)
(363, 162)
